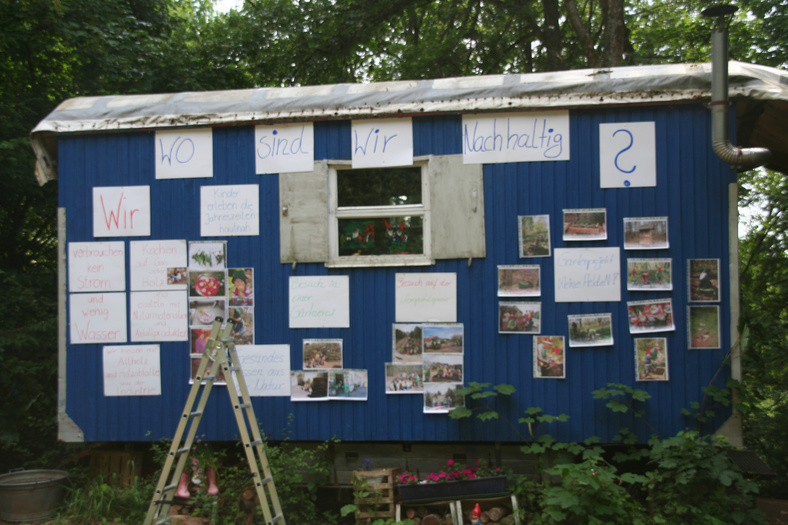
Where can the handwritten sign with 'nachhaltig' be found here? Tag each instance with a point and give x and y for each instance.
(587, 274)
(132, 370)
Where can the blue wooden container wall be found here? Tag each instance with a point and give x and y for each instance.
(692, 191)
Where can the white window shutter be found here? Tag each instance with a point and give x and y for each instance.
(456, 208)
(303, 215)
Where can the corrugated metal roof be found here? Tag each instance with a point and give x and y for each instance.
(565, 89)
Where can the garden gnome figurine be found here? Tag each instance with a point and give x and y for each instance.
(476, 515)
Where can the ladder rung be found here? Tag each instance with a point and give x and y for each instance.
(170, 487)
(278, 517)
(183, 450)
(243, 405)
(196, 413)
(255, 443)
(266, 480)
(233, 368)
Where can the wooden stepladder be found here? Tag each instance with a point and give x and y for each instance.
(219, 354)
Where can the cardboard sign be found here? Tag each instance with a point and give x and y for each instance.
(230, 210)
(96, 266)
(159, 316)
(320, 302)
(522, 137)
(184, 153)
(627, 155)
(97, 318)
(266, 369)
(382, 143)
(284, 148)
(132, 370)
(587, 274)
(426, 297)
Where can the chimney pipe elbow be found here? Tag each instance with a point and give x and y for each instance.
(745, 158)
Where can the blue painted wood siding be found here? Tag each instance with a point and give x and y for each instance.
(692, 191)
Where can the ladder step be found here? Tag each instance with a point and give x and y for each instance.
(278, 517)
(243, 405)
(255, 443)
(196, 413)
(170, 487)
(183, 450)
(266, 480)
(233, 368)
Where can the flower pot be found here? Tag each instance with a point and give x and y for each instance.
(454, 489)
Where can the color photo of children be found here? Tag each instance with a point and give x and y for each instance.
(651, 359)
(322, 353)
(404, 378)
(241, 287)
(549, 357)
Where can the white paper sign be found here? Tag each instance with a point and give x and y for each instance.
(587, 274)
(284, 148)
(184, 154)
(149, 261)
(426, 297)
(627, 155)
(230, 210)
(97, 318)
(96, 266)
(266, 369)
(382, 143)
(320, 301)
(522, 137)
(132, 370)
(122, 211)
(159, 316)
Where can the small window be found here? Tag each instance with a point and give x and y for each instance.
(379, 217)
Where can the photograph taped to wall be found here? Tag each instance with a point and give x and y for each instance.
(440, 398)
(534, 235)
(549, 357)
(322, 353)
(208, 284)
(406, 343)
(203, 312)
(649, 274)
(447, 338)
(590, 330)
(651, 359)
(404, 378)
(703, 280)
(241, 286)
(309, 385)
(348, 384)
(443, 368)
(646, 233)
(703, 323)
(650, 316)
(243, 325)
(519, 318)
(585, 225)
(519, 281)
(207, 255)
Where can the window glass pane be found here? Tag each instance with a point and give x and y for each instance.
(392, 236)
(379, 187)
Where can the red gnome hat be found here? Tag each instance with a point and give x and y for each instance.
(477, 512)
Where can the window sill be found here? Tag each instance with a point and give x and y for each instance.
(380, 261)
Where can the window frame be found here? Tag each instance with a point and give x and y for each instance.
(335, 213)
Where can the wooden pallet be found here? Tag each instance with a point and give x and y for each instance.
(380, 500)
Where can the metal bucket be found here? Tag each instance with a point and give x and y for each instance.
(30, 495)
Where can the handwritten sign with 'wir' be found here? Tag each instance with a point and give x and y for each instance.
(122, 211)
(132, 370)
(425, 297)
(526, 137)
(266, 369)
(382, 143)
(587, 274)
(229, 210)
(320, 301)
